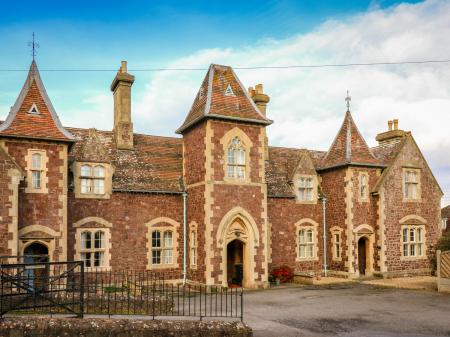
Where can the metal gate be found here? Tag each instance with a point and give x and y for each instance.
(42, 287)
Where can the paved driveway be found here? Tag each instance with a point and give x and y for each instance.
(350, 310)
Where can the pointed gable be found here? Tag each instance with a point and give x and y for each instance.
(223, 96)
(303, 165)
(33, 115)
(349, 147)
(91, 149)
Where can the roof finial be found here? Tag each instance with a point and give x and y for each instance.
(348, 99)
(34, 46)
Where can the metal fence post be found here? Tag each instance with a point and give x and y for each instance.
(81, 290)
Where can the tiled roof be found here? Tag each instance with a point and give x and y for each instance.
(280, 166)
(386, 152)
(222, 95)
(348, 147)
(45, 124)
(155, 163)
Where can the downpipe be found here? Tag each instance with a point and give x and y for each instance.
(184, 237)
(324, 215)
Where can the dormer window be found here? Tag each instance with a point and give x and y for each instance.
(236, 159)
(34, 110)
(229, 91)
(306, 188)
(92, 179)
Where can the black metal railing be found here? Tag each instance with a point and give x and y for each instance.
(157, 294)
(50, 287)
(66, 287)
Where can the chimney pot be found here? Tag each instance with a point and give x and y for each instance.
(123, 67)
(390, 125)
(395, 124)
(259, 89)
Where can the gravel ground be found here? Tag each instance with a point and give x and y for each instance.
(351, 310)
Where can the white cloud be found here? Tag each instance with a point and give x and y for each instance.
(307, 105)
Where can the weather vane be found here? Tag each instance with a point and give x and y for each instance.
(34, 46)
(348, 99)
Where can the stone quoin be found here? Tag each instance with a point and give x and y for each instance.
(120, 200)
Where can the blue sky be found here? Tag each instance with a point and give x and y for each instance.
(307, 105)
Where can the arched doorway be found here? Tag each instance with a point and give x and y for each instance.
(362, 255)
(235, 263)
(38, 274)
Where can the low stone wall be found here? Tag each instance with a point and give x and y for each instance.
(102, 327)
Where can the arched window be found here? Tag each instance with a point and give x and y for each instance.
(92, 179)
(92, 252)
(236, 159)
(162, 247)
(36, 170)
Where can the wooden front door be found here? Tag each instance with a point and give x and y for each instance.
(362, 256)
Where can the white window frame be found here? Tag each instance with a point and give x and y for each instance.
(92, 183)
(411, 184)
(236, 160)
(413, 241)
(308, 241)
(90, 253)
(36, 172)
(164, 251)
(306, 188)
(444, 223)
(363, 186)
(337, 244)
(193, 242)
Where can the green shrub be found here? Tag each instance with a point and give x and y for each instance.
(443, 245)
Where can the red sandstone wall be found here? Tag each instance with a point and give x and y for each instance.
(333, 186)
(128, 213)
(40, 208)
(5, 193)
(283, 214)
(395, 209)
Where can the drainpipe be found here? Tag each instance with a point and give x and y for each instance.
(184, 237)
(324, 214)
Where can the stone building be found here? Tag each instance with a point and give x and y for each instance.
(217, 205)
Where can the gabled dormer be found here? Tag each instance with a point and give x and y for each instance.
(33, 115)
(91, 168)
(304, 180)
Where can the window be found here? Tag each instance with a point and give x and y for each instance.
(193, 248)
(411, 184)
(34, 110)
(36, 170)
(306, 189)
(162, 247)
(92, 248)
(337, 245)
(363, 178)
(306, 243)
(92, 179)
(413, 241)
(444, 223)
(236, 159)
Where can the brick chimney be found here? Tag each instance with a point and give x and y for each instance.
(259, 97)
(393, 135)
(123, 126)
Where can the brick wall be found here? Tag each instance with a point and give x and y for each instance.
(428, 207)
(128, 213)
(44, 209)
